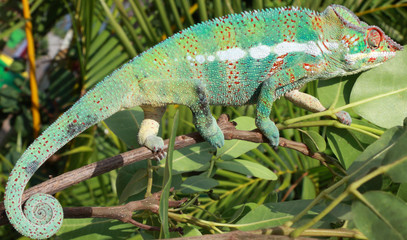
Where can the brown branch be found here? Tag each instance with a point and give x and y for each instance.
(277, 233)
(123, 213)
(71, 178)
(243, 235)
(263, 234)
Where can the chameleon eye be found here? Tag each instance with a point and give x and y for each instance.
(374, 37)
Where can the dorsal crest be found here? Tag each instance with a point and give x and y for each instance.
(347, 17)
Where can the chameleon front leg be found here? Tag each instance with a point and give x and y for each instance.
(263, 110)
(275, 86)
(312, 104)
(147, 135)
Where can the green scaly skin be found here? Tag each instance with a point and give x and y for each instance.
(248, 58)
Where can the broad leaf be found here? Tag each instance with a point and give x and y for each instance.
(383, 218)
(402, 192)
(126, 124)
(373, 156)
(389, 78)
(397, 156)
(128, 174)
(137, 183)
(276, 214)
(95, 228)
(314, 141)
(198, 184)
(344, 145)
(247, 168)
(330, 88)
(191, 158)
(308, 189)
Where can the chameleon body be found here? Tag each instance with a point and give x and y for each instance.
(248, 58)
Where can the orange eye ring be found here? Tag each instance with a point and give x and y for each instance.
(374, 37)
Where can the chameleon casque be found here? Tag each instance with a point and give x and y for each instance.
(247, 58)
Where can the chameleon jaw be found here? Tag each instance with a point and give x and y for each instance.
(354, 58)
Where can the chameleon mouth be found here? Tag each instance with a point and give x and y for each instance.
(395, 46)
(352, 58)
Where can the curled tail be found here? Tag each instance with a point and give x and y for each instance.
(43, 214)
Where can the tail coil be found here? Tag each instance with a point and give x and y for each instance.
(43, 214)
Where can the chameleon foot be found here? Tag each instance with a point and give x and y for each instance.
(217, 140)
(210, 131)
(156, 145)
(214, 137)
(160, 155)
(269, 129)
(344, 117)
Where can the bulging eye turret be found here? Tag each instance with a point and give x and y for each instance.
(374, 37)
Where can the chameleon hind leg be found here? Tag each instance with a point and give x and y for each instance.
(312, 104)
(203, 119)
(147, 135)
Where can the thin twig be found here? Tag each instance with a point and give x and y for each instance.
(123, 213)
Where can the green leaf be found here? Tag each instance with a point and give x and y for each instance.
(386, 111)
(165, 194)
(137, 184)
(234, 148)
(397, 155)
(262, 217)
(125, 175)
(237, 213)
(314, 141)
(308, 189)
(247, 168)
(119, 30)
(94, 228)
(80, 149)
(344, 145)
(198, 184)
(191, 158)
(275, 214)
(328, 89)
(383, 218)
(126, 124)
(402, 192)
(373, 156)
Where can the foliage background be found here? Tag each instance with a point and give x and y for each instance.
(230, 185)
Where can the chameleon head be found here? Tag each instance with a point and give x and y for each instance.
(363, 46)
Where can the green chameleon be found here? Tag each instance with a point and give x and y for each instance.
(246, 58)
